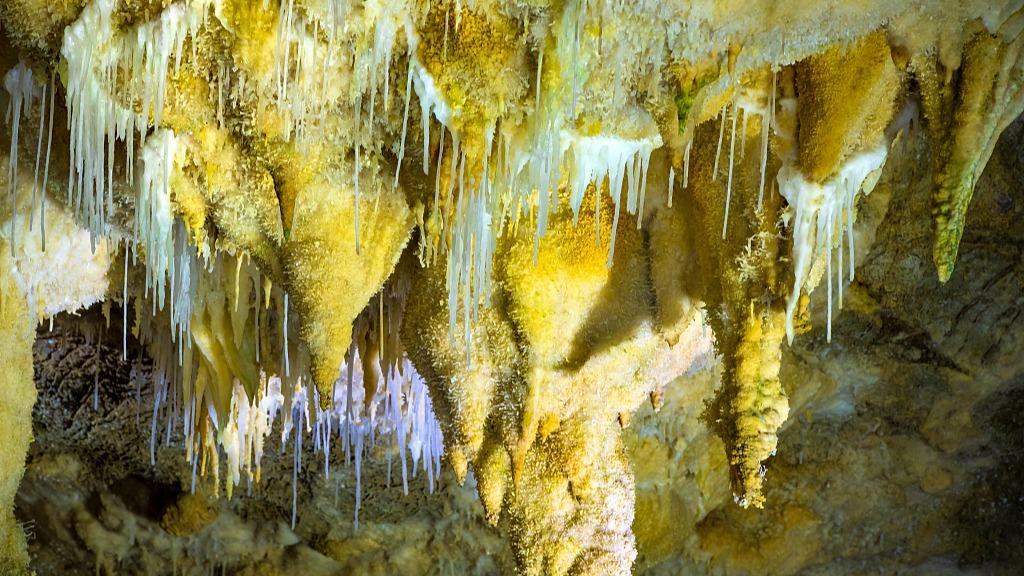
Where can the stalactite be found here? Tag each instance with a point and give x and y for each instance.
(964, 124)
(273, 156)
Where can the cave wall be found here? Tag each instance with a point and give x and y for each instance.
(902, 455)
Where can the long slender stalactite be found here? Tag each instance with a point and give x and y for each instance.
(471, 236)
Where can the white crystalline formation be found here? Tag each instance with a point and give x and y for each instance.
(116, 88)
(822, 218)
(400, 414)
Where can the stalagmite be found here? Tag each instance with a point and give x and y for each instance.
(16, 335)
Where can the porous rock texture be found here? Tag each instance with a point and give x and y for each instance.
(614, 203)
(903, 454)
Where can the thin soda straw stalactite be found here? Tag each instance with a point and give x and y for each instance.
(686, 165)
(818, 209)
(46, 167)
(405, 124)
(728, 186)
(671, 184)
(767, 119)
(19, 85)
(356, 176)
(284, 331)
(39, 149)
(298, 412)
(718, 150)
(124, 305)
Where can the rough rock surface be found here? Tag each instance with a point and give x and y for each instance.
(902, 454)
(249, 156)
(91, 501)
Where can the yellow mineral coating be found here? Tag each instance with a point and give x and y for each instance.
(773, 552)
(478, 61)
(40, 24)
(220, 180)
(760, 406)
(691, 104)
(253, 35)
(293, 216)
(743, 290)
(19, 395)
(442, 361)
(675, 274)
(74, 277)
(190, 514)
(574, 517)
(965, 122)
(330, 272)
(570, 301)
(570, 304)
(214, 339)
(494, 475)
(846, 99)
(560, 359)
(549, 458)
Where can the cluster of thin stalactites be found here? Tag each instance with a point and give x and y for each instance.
(522, 168)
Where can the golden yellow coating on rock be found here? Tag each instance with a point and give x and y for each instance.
(227, 347)
(221, 181)
(543, 432)
(478, 62)
(330, 273)
(244, 205)
(190, 204)
(295, 173)
(570, 301)
(253, 35)
(557, 363)
(965, 119)
(571, 511)
(675, 272)
(701, 94)
(19, 395)
(35, 27)
(773, 551)
(463, 389)
(759, 406)
(846, 99)
(743, 291)
(570, 305)
(493, 469)
(190, 514)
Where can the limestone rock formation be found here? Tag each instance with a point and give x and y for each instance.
(467, 241)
